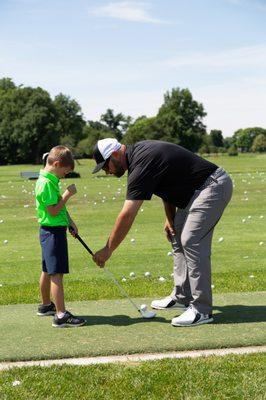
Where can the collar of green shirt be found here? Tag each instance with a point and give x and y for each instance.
(49, 175)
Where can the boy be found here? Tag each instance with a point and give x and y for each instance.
(54, 220)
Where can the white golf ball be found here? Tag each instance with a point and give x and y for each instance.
(143, 307)
(124, 280)
(132, 275)
(261, 243)
(5, 241)
(169, 253)
(162, 279)
(132, 240)
(221, 239)
(147, 274)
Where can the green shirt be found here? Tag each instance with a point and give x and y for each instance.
(48, 194)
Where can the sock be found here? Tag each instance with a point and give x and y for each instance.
(61, 315)
(47, 304)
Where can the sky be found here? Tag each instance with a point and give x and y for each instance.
(125, 55)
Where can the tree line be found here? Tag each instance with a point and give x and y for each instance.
(31, 122)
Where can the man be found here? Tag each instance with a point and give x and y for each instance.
(194, 192)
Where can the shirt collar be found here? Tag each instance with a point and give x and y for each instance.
(49, 175)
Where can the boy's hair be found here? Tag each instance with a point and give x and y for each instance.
(61, 154)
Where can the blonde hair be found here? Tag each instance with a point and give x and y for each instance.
(61, 154)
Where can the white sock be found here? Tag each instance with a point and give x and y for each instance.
(61, 315)
(47, 304)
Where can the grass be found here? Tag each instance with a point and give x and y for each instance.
(238, 266)
(115, 327)
(234, 260)
(229, 377)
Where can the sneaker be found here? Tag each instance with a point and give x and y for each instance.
(46, 310)
(167, 304)
(68, 321)
(192, 317)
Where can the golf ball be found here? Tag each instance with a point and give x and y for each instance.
(162, 279)
(169, 253)
(5, 241)
(132, 275)
(124, 280)
(147, 274)
(132, 240)
(221, 239)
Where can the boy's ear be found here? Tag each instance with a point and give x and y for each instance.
(56, 164)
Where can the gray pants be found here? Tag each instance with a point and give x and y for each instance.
(194, 227)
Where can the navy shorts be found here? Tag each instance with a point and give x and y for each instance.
(53, 242)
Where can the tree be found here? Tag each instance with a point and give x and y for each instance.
(70, 120)
(84, 148)
(243, 138)
(259, 143)
(117, 124)
(179, 119)
(27, 125)
(7, 84)
(142, 129)
(217, 138)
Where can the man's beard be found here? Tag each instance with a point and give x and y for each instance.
(119, 170)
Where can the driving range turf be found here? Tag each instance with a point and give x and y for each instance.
(238, 277)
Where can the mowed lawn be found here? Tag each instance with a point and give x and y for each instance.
(238, 266)
(239, 242)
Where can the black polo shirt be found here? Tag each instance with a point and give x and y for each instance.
(166, 170)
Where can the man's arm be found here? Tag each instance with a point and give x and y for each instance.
(121, 227)
(170, 211)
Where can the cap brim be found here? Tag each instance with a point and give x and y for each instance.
(98, 167)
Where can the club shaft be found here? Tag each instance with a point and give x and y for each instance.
(122, 290)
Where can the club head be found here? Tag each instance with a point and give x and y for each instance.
(147, 314)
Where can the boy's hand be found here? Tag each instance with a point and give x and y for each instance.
(72, 189)
(73, 229)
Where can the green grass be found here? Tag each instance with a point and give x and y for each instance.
(229, 377)
(234, 260)
(115, 327)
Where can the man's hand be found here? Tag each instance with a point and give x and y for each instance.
(101, 256)
(169, 230)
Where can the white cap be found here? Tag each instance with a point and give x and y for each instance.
(103, 150)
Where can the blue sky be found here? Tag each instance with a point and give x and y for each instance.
(125, 55)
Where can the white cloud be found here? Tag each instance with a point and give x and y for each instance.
(247, 56)
(133, 11)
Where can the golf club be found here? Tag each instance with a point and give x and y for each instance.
(143, 309)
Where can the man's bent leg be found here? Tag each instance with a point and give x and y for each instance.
(181, 291)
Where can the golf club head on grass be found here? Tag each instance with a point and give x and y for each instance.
(146, 313)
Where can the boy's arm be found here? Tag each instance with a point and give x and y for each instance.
(70, 191)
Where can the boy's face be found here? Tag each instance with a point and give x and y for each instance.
(60, 171)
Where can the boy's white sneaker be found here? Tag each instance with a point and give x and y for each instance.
(192, 317)
(167, 303)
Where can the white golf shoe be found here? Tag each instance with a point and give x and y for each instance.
(192, 317)
(167, 303)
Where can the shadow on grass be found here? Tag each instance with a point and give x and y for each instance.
(118, 320)
(237, 314)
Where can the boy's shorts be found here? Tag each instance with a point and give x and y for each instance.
(53, 242)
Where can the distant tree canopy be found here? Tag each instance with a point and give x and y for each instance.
(243, 138)
(179, 120)
(31, 122)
